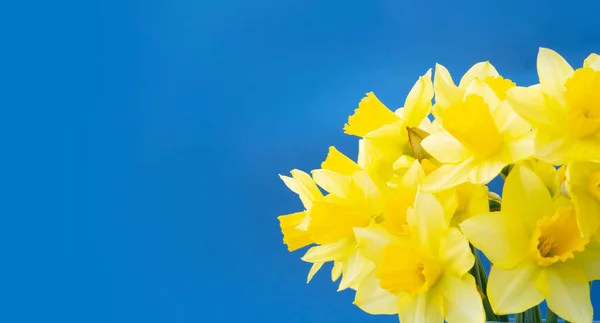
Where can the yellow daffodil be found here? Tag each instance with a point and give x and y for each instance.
(564, 108)
(481, 135)
(536, 250)
(354, 201)
(385, 133)
(425, 274)
(583, 186)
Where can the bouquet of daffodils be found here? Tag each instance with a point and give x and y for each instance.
(405, 224)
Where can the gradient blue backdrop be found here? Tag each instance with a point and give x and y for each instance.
(142, 140)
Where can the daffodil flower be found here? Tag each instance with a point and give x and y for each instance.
(481, 134)
(536, 250)
(385, 133)
(564, 108)
(425, 275)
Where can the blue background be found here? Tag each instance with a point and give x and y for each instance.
(142, 140)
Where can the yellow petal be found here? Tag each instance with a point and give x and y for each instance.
(372, 239)
(373, 299)
(509, 123)
(485, 171)
(446, 93)
(292, 237)
(339, 163)
(503, 245)
(370, 115)
(583, 179)
(480, 71)
(553, 71)
(456, 254)
(585, 149)
(528, 102)
(448, 176)
(366, 192)
(418, 102)
(462, 301)
(337, 251)
(552, 146)
(334, 183)
(480, 88)
(427, 222)
(514, 290)
(525, 199)
(354, 269)
(567, 293)
(445, 148)
(422, 308)
(589, 260)
(301, 184)
(336, 271)
(592, 61)
(519, 149)
(313, 270)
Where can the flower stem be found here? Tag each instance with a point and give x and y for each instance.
(551, 317)
(481, 279)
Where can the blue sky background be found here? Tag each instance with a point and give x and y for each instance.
(142, 140)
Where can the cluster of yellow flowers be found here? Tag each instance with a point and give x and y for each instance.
(402, 224)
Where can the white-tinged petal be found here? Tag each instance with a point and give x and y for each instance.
(456, 253)
(334, 183)
(480, 71)
(337, 251)
(422, 308)
(448, 176)
(354, 269)
(592, 61)
(553, 71)
(514, 291)
(373, 299)
(567, 292)
(372, 239)
(445, 148)
(313, 270)
(462, 301)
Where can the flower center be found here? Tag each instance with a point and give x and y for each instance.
(583, 103)
(404, 270)
(500, 85)
(471, 123)
(557, 238)
(593, 185)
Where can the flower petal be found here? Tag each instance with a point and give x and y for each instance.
(427, 221)
(525, 199)
(446, 93)
(448, 176)
(504, 246)
(485, 171)
(529, 103)
(480, 71)
(334, 183)
(337, 251)
(514, 290)
(456, 254)
(567, 293)
(313, 270)
(372, 239)
(423, 307)
(373, 299)
(418, 102)
(509, 123)
(482, 89)
(354, 269)
(445, 148)
(302, 184)
(462, 301)
(553, 71)
(592, 61)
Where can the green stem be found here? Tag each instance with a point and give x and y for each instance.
(481, 279)
(520, 318)
(551, 317)
(533, 315)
